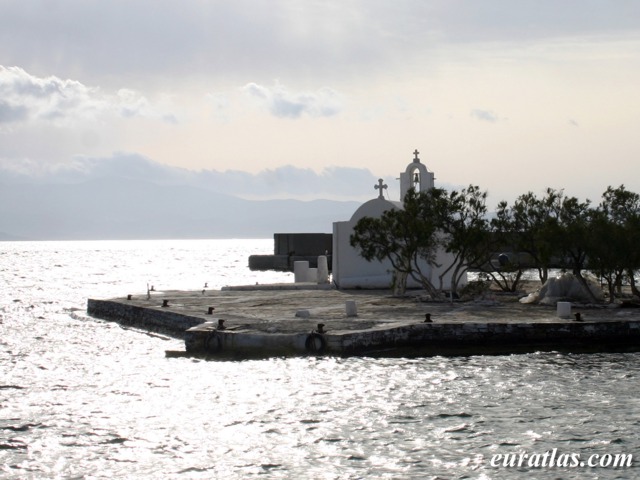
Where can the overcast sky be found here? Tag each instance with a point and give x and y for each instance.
(514, 96)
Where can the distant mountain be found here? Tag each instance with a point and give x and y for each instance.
(5, 237)
(343, 183)
(112, 207)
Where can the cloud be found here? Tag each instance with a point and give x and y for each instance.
(484, 115)
(289, 180)
(220, 104)
(12, 113)
(285, 104)
(120, 38)
(339, 183)
(26, 97)
(129, 103)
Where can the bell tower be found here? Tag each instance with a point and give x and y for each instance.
(415, 177)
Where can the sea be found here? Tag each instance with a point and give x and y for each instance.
(82, 398)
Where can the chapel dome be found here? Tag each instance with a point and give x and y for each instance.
(374, 208)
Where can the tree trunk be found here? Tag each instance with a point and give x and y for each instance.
(583, 282)
(543, 274)
(612, 290)
(399, 283)
(632, 281)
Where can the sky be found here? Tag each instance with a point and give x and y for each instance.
(511, 96)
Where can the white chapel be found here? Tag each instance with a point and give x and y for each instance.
(349, 269)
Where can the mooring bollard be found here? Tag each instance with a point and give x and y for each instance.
(165, 303)
(564, 309)
(129, 297)
(210, 311)
(351, 309)
(221, 324)
(322, 275)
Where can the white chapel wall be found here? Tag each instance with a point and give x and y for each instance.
(350, 270)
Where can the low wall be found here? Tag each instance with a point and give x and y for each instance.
(151, 319)
(302, 244)
(390, 339)
(478, 337)
(420, 339)
(282, 263)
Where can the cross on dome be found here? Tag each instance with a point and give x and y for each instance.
(416, 153)
(381, 186)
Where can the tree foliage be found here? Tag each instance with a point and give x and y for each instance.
(553, 230)
(404, 237)
(436, 219)
(614, 236)
(461, 219)
(531, 226)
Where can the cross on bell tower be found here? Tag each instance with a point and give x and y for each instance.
(415, 177)
(381, 186)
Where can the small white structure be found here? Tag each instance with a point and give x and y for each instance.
(323, 270)
(301, 271)
(349, 269)
(564, 309)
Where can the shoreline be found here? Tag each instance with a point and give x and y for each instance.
(307, 319)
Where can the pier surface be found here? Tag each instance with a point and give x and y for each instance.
(284, 319)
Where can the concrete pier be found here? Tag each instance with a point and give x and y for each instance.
(261, 321)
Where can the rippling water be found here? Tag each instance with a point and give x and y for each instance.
(83, 398)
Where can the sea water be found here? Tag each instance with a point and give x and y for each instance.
(86, 398)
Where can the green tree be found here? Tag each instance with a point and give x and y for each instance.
(604, 250)
(405, 237)
(574, 236)
(507, 271)
(531, 226)
(615, 234)
(461, 219)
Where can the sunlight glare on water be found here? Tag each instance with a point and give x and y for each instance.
(84, 398)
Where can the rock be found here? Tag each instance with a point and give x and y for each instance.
(565, 287)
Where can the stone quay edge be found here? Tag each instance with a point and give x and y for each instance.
(261, 321)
